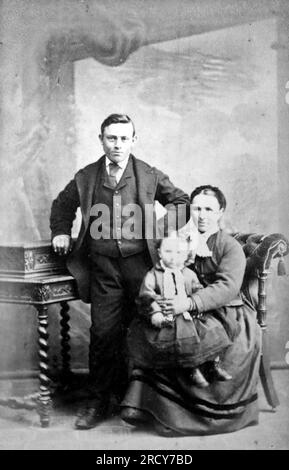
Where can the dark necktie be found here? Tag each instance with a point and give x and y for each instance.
(113, 170)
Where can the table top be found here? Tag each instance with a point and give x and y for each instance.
(38, 290)
(36, 279)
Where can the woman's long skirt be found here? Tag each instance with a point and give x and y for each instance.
(170, 398)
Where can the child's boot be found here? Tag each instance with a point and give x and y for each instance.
(218, 373)
(198, 379)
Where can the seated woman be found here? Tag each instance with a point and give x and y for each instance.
(166, 397)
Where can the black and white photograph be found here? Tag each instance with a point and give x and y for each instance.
(144, 276)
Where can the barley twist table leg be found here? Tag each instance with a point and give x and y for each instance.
(65, 338)
(44, 400)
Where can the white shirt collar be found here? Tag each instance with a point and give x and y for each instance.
(121, 164)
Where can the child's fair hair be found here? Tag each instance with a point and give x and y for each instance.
(176, 237)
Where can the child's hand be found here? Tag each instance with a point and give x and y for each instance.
(187, 316)
(168, 321)
(157, 319)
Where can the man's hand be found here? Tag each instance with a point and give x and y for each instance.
(157, 319)
(61, 244)
(175, 306)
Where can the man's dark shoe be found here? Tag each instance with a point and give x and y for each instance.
(218, 373)
(91, 416)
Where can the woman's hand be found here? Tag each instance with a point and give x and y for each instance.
(187, 316)
(175, 306)
(157, 319)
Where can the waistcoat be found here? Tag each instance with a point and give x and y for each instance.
(111, 233)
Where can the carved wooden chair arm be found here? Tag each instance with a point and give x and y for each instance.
(260, 250)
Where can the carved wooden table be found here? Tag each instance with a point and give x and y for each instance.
(32, 274)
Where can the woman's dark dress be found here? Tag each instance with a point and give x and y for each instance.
(222, 407)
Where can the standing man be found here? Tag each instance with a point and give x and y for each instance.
(107, 262)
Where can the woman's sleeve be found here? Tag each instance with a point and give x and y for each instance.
(146, 300)
(228, 279)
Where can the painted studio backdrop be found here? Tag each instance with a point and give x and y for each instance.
(204, 82)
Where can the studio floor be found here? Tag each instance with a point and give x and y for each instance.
(20, 429)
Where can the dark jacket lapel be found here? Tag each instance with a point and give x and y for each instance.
(87, 181)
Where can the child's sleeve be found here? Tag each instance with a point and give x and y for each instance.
(146, 301)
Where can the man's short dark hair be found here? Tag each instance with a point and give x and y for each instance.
(211, 191)
(116, 119)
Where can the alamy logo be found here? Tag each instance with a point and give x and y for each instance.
(133, 221)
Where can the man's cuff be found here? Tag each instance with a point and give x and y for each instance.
(60, 232)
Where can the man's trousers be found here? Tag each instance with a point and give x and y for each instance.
(115, 284)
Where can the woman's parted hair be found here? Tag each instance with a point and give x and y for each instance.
(210, 191)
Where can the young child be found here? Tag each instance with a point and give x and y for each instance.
(159, 339)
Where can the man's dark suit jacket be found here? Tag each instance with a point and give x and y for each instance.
(152, 185)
